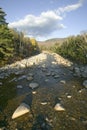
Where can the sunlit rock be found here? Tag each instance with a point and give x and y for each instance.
(69, 96)
(34, 92)
(21, 110)
(63, 81)
(43, 103)
(59, 107)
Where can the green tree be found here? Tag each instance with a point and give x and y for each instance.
(6, 41)
(74, 48)
(2, 17)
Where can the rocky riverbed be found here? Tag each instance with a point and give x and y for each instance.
(43, 92)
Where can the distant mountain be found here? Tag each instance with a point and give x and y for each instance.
(51, 42)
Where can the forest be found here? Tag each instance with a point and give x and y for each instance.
(13, 44)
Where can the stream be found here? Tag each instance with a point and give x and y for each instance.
(56, 83)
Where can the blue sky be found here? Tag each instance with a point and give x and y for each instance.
(44, 19)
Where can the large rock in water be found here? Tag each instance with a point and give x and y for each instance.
(21, 110)
(33, 85)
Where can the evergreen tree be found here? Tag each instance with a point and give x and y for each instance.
(6, 44)
(2, 17)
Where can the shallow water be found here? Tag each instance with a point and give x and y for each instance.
(44, 117)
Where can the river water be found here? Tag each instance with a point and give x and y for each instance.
(56, 84)
(42, 115)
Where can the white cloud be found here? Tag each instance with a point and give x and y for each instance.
(69, 8)
(44, 24)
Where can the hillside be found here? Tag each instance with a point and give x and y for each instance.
(51, 42)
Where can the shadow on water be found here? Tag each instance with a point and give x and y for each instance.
(7, 92)
(50, 90)
(41, 123)
(28, 99)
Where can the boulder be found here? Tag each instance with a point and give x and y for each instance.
(21, 110)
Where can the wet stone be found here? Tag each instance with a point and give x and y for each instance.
(63, 81)
(33, 85)
(19, 86)
(22, 77)
(29, 78)
(56, 76)
(48, 74)
(46, 80)
(18, 72)
(53, 74)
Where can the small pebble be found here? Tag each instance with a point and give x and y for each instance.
(34, 92)
(63, 81)
(19, 86)
(69, 96)
(43, 103)
(58, 107)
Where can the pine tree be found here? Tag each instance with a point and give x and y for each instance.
(6, 44)
(2, 17)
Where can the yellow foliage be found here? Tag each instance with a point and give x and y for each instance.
(33, 42)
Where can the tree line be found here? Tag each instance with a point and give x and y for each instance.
(13, 44)
(73, 48)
